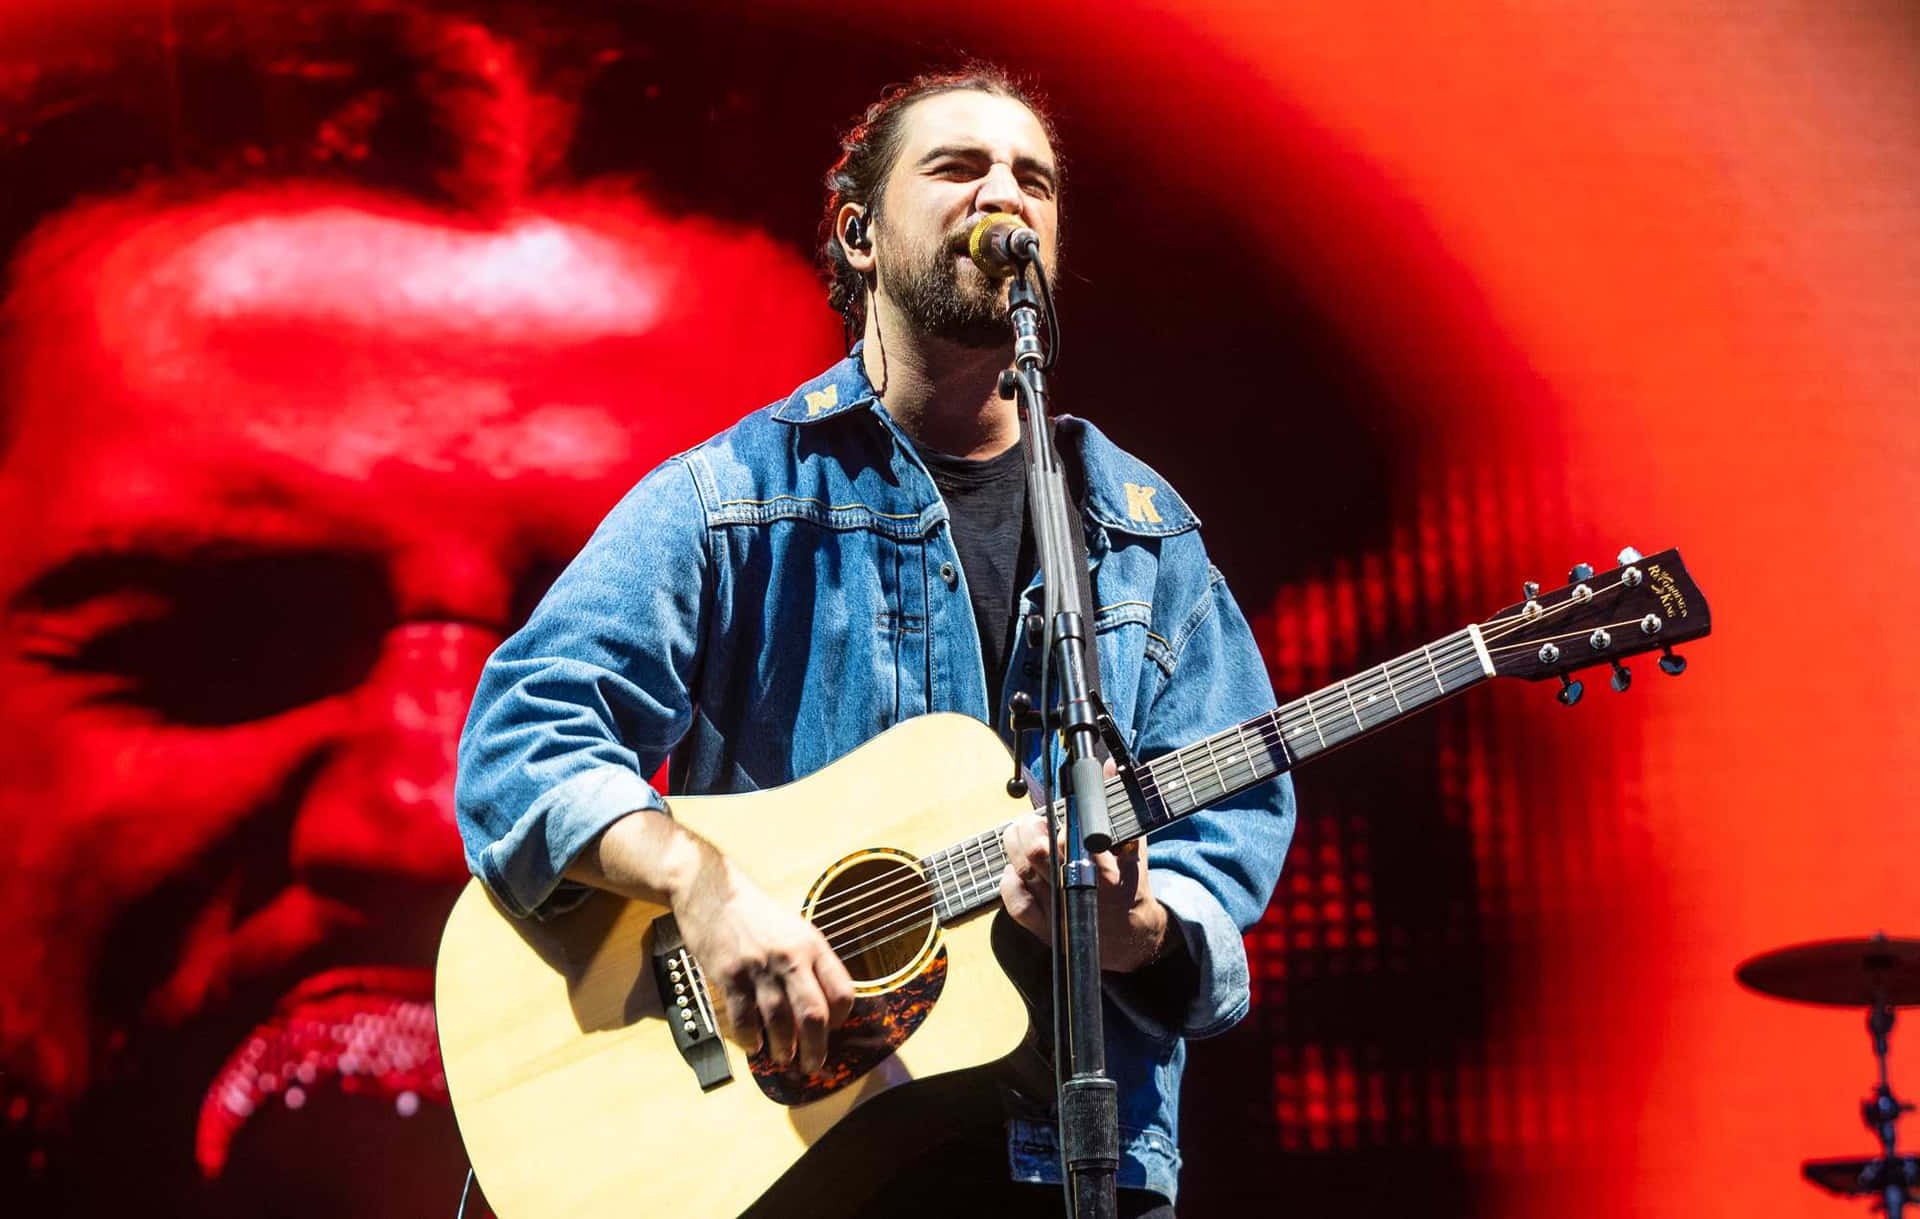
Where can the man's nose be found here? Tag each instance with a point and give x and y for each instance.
(380, 807)
(1000, 192)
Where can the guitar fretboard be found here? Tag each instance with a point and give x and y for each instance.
(966, 875)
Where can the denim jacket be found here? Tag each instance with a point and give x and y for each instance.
(799, 568)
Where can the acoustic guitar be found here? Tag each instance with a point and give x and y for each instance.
(592, 1075)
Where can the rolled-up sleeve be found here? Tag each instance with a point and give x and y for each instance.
(1216, 870)
(588, 698)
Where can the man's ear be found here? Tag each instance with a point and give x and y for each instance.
(856, 236)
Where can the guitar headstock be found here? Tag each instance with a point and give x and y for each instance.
(1646, 604)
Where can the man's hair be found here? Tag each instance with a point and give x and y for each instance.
(871, 146)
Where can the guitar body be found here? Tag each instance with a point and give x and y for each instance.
(572, 1096)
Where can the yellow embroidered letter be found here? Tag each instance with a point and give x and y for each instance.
(822, 400)
(1140, 503)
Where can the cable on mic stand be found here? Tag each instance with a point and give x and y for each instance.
(1053, 319)
(1087, 1098)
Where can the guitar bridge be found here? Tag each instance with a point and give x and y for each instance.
(688, 1009)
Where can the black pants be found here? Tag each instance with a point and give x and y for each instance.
(966, 1177)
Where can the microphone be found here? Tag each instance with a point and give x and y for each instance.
(1001, 244)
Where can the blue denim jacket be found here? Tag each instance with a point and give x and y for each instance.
(798, 568)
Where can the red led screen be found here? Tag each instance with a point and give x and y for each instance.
(332, 327)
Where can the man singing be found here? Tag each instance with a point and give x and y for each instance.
(851, 556)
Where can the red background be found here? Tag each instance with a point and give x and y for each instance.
(1496, 288)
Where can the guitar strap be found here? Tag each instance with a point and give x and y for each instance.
(1077, 539)
(1082, 571)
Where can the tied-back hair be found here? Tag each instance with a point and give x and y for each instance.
(868, 152)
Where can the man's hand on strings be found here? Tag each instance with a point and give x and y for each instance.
(772, 969)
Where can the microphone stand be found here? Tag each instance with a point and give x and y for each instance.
(1088, 1099)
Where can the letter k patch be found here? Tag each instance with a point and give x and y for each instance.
(1140, 503)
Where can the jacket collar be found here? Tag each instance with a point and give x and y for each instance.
(836, 391)
(1121, 492)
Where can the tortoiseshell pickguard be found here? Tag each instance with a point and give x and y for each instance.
(878, 1026)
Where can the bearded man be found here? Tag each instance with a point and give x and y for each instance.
(852, 556)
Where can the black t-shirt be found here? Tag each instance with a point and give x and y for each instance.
(987, 500)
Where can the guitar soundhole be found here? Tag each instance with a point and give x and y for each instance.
(876, 910)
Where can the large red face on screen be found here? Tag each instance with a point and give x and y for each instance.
(296, 460)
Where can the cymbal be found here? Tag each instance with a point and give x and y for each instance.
(1862, 1176)
(1839, 973)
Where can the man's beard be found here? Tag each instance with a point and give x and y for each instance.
(939, 299)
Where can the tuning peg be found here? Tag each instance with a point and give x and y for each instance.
(1530, 589)
(1672, 663)
(1622, 677)
(1629, 555)
(1570, 691)
(1581, 571)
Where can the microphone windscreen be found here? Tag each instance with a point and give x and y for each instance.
(989, 255)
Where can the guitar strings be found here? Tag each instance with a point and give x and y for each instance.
(1610, 626)
(873, 923)
(913, 893)
(858, 895)
(1294, 717)
(1522, 620)
(1453, 657)
(916, 920)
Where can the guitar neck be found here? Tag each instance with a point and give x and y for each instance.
(966, 875)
